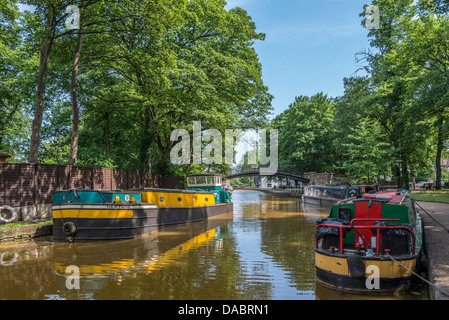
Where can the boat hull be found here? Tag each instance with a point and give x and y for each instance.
(124, 221)
(320, 201)
(377, 275)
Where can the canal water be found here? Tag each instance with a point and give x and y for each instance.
(264, 250)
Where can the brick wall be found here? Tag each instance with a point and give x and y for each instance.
(34, 184)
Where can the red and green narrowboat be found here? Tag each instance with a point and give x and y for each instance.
(372, 244)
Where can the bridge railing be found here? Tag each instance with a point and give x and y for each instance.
(281, 169)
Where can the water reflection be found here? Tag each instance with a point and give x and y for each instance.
(142, 268)
(265, 250)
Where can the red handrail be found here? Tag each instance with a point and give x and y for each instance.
(351, 226)
(334, 226)
(370, 219)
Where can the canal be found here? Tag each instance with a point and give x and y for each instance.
(265, 250)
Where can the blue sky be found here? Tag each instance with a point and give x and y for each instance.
(310, 45)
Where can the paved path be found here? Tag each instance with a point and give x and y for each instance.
(436, 240)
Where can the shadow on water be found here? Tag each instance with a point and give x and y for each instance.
(265, 250)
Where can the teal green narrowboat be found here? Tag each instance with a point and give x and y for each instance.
(122, 214)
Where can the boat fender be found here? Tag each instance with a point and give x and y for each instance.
(69, 228)
(11, 211)
(356, 266)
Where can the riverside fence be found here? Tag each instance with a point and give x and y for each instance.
(29, 188)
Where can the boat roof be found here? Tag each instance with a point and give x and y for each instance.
(340, 186)
(394, 197)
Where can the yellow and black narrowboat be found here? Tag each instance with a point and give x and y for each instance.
(372, 244)
(103, 215)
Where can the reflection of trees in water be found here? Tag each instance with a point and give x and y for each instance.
(206, 273)
(290, 242)
(28, 278)
(287, 235)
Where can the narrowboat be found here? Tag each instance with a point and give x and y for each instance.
(123, 214)
(372, 244)
(329, 195)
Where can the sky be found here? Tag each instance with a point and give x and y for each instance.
(310, 45)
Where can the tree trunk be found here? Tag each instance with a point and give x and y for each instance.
(40, 96)
(107, 139)
(145, 142)
(440, 146)
(397, 175)
(404, 176)
(73, 97)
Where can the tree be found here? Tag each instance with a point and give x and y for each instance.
(417, 64)
(53, 14)
(16, 71)
(431, 56)
(306, 133)
(192, 62)
(390, 83)
(367, 157)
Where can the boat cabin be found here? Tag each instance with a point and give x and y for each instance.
(209, 182)
(375, 221)
(204, 180)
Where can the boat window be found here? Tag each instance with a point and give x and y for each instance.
(219, 181)
(191, 180)
(161, 199)
(207, 199)
(179, 199)
(200, 180)
(344, 214)
(210, 180)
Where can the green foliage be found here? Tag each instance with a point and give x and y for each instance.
(393, 122)
(306, 133)
(367, 157)
(146, 68)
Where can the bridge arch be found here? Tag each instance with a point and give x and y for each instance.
(293, 174)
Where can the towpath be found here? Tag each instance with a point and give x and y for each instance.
(436, 241)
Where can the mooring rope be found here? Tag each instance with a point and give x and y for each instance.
(425, 280)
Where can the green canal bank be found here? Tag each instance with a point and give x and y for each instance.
(31, 230)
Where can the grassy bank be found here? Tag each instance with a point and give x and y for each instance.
(434, 195)
(23, 224)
